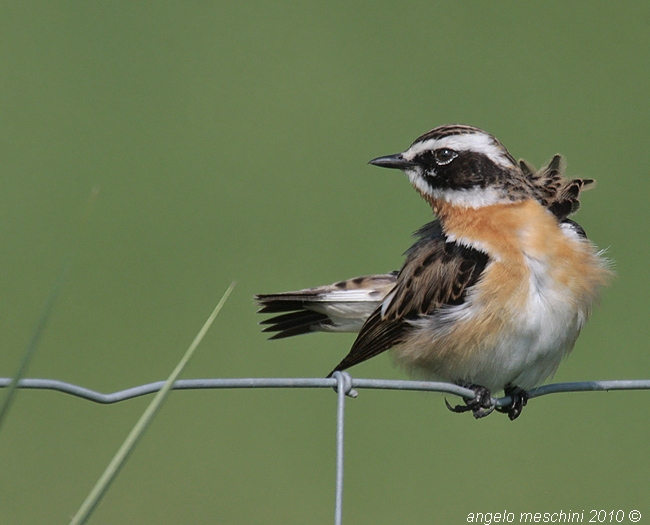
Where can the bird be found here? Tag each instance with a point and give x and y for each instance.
(495, 289)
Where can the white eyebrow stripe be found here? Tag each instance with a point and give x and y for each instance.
(477, 142)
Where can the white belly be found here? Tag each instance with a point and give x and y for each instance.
(531, 350)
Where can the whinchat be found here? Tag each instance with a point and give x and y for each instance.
(493, 293)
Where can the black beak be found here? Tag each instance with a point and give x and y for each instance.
(393, 161)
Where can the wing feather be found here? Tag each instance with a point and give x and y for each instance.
(437, 272)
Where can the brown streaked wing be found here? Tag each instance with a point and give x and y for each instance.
(436, 273)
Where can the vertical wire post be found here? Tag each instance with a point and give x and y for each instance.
(340, 441)
(343, 388)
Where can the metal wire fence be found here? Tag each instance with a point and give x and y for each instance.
(343, 383)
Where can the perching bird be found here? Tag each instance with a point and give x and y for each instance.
(492, 295)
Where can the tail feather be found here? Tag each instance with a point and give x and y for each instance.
(292, 317)
(294, 323)
(340, 307)
(271, 304)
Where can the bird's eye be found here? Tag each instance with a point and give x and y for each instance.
(444, 156)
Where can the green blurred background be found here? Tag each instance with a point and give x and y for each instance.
(229, 141)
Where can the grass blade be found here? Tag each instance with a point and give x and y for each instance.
(46, 312)
(105, 480)
(28, 354)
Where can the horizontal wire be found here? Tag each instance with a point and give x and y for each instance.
(347, 383)
(353, 383)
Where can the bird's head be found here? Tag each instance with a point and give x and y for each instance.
(460, 166)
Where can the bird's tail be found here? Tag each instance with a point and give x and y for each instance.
(339, 307)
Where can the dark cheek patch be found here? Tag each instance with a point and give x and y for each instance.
(468, 170)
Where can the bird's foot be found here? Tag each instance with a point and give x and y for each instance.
(519, 401)
(481, 405)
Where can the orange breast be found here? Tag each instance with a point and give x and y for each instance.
(519, 236)
(531, 258)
